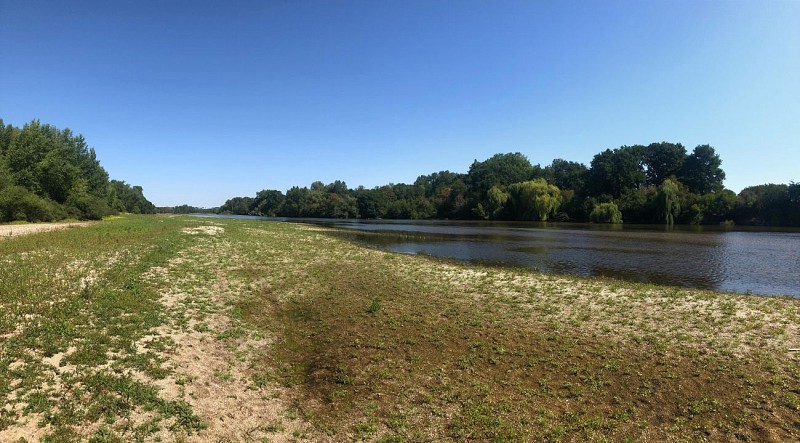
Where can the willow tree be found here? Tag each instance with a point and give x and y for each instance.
(534, 200)
(606, 213)
(669, 200)
(496, 200)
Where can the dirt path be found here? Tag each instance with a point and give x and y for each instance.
(7, 231)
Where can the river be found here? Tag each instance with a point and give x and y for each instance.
(757, 261)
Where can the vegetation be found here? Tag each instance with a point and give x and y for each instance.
(605, 213)
(185, 209)
(191, 329)
(50, 174)
(658, 183)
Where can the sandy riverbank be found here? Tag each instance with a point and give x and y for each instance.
(15, 230)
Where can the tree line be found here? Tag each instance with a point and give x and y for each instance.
(657, 183)
(49, 174)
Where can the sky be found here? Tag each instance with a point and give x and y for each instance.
(201, 101)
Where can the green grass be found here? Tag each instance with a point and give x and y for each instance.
(364, 345)
(76, 298)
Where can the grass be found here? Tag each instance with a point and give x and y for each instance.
(73, 304)
(354, 344)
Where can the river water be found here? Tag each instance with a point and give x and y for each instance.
(735, 260)
(759, 262)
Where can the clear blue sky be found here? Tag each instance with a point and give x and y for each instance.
(199, 101)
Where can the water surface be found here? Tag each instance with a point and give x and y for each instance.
(758, 261)
(744, 261)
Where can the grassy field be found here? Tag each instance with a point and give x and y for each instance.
(197, 329)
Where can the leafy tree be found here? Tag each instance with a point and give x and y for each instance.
(500, 169)
(337, 187)
(639, 205)
(613, 172)
(496, 199)
(415, 208)
(669, 200)
(566, 175)
(663, 160)
(127, 198)
(769, 204)
(268, 203)
(710, 208)
(701, 172)
(61, 170)
(237, 206)
(534, 200)
(372, 203)
(342, 206)
(294, 205)
(606, 213)
(434, 184)
(452, 201)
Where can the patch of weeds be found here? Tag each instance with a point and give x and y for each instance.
(374, 306)
(364, 430)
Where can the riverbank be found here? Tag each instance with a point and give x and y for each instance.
(11, 230)
(170, 328)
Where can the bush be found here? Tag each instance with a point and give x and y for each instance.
(87, 207)
(19, 204)
(606, 213)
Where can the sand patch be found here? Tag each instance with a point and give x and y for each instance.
(208, 230)
(8, 231)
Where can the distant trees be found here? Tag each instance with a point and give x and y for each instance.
(49, 174)
(656, 183)
(186, 209)
(770, 204)
(126, 198)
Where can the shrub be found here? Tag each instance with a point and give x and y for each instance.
(19, 204)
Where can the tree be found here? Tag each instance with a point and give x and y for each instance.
(534, 200)
(62, 170)
(669, 201)
(566, 175)
(268, 203)
(711, 208)
(342, 206)
(639, 205)
(612, 172)
(701, 172)
(294, 205)
(237, 206)
(337, 187)
(496, 202)
(371, 203)
(769, 204)
(500, 169)
(606, 213)
(663, 160)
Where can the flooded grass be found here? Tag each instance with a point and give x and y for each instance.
(188, 329)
